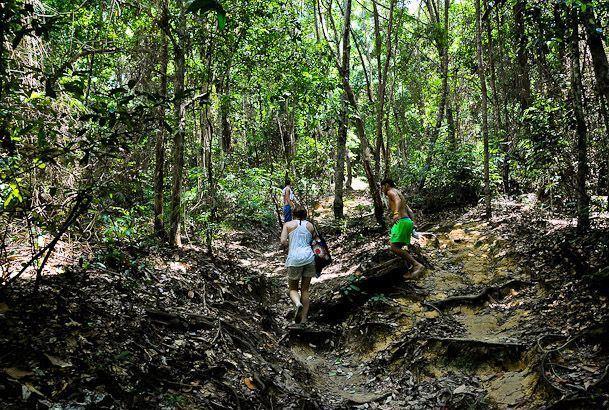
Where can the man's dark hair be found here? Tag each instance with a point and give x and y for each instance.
(300, 212)
(389, 182)
(287, 182)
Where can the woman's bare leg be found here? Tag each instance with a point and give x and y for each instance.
(304, 296)
(293, 292)
(295, 296)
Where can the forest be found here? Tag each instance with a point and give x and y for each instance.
(153, 152)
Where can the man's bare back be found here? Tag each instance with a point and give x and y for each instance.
(397, 203)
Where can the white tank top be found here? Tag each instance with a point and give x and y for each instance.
(299, 251)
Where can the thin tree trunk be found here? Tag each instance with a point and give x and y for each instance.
(341, 147)
(359, 125)
(450, 119)
(482, 77)
(224, 108)
(349, 183)
(210, 183)
(507, 140)
(361, 133)
(341, 143)
(600, 63)
(159, 148)
(379, 96)
(523, 75)
(497, 123)
(442, 46)
(583, 200)
(597, 51)
(178, 137)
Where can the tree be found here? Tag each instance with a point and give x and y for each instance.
(581, 129)
(601, 74)
(441, 41)
(159, 150)
(179, 61)
(522, 66)
(483, 108)
(343, 122)
(359, 122)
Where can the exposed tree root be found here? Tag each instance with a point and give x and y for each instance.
(175, 320)
(480, 296)
(479, 343)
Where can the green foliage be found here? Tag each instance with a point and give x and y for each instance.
(120, 224)
(203, 6)
(243, 198)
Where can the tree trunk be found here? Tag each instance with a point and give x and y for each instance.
(178, 136)
(442, 46)
(482, 77)
(210, 183)
(601, 73)
(359, 123)
(450, 118)
(380, 91)
(597, 51)
(349, 183)
(224, 123)
(341, 144)
(361, 133)
(523, 76)
(497, 123)
(507, 140)
(383, 69)
(583, 200)
(159, 148)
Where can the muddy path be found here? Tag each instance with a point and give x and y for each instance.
(480, 342)
(458, 336)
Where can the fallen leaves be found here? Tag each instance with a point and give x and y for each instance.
(15, 373)
(249, 382)
(56, 361)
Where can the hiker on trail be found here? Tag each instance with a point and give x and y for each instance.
(288, 201)
(403, 226)
(300, 263)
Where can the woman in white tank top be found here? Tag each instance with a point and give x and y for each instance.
(300, 263)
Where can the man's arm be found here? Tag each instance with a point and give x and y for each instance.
(410, 213)
(284, 235)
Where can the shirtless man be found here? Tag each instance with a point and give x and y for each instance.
(402, 228)
(288, 201)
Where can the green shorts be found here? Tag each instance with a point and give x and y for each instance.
(401, 231)
(297, 272)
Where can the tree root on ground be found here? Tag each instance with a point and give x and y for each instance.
(569, 391)
(175, 320)
(477, 297)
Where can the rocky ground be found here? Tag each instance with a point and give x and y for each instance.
(511, 313)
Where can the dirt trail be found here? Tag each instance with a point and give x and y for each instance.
(480, 342)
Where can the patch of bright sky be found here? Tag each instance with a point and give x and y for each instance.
(413, 5)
